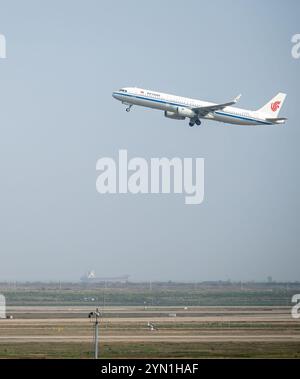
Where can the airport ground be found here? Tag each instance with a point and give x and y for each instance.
(53, 323)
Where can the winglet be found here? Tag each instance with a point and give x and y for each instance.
(237, 98)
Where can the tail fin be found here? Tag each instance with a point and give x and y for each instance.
(273, 107)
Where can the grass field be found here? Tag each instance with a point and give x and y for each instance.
(152, 350)
(159, 294)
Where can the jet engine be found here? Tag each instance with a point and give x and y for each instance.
(173, 115)
(180, 113)
(185, 112)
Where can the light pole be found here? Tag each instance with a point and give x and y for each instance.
(96, 315)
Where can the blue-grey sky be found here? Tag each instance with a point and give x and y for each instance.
(64, 59)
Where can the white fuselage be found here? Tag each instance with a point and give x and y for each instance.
(172, 103)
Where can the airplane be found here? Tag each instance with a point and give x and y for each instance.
(180, 108)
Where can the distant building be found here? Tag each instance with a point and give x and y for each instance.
(90, 277)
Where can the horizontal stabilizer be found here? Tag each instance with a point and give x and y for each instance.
(276, 119)
(280, 120)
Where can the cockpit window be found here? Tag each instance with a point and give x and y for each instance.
(122, 90)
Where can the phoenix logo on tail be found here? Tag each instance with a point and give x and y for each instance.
(275, 106)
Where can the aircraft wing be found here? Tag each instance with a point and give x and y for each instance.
(211, 108)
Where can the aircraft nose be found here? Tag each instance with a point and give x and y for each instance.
(114, 95)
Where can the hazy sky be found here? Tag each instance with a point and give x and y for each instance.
(64, 59)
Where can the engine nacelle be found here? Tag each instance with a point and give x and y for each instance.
(180, 113)
(185, 112)
(173, 115)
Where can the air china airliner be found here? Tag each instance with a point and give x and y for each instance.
(180, 108)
